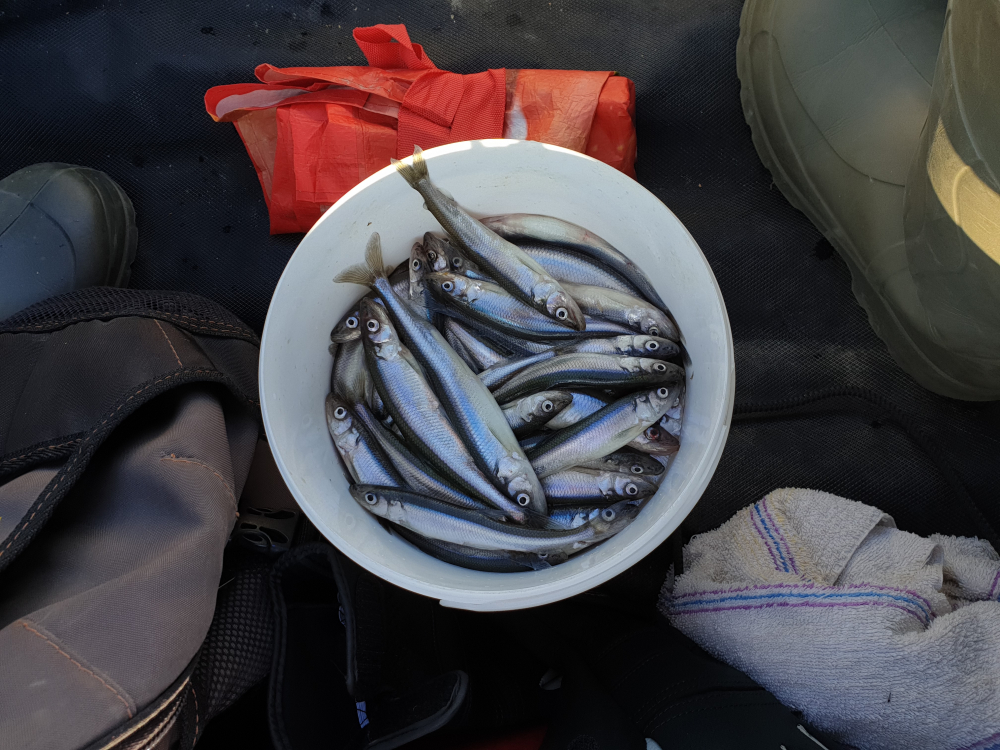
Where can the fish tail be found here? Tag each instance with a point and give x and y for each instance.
(367, 273)
(413, 173)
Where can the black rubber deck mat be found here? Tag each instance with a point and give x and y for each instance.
(119, 86)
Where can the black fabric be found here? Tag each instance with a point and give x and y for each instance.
(335, 652)
(627, 677)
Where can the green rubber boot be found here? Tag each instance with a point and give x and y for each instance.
(893, 151)
(62, 227)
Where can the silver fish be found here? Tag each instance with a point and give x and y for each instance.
(419, 293)
(531, 412)
(486, 560)
(362, 455)
(584, 404)
(623, 309)
(349, 327)
(496, 375)
(549, 229)
(492, 304)
(476, 353)
(672, 420)
(504, 261)
(513, 345)
(351, 381)
(473, 410)
(586, 371)
(636, 345)
(626, 461)
(603, 432)
(656, 441)
(418, 413)
(436, 520)
(413, 470)
(571, 267)
(445, 256)
(576, 485)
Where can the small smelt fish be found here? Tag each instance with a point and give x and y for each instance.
(495, 306)
(576, 486)
(574, 516)
(446, 257)
(637, 345)
(584, 404)
(672, 420)
(351, 381)
(623, 309)
(362, 455)
(627, 462)
(656, 441)
(589, 371)
(531, 412)
(473, 410)
(418, 413)
(349, 327)
(504, 261)
(603, 432)
(569, 267)
(415, 473)
(477, 353)
(498, 374)
(436, 520)
(517, 227)
(486, 560)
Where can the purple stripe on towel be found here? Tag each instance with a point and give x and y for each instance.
(996, 582)
(817, 595)
(777, 549)
(777, 528)
(768, 605)
(753, 522)
(767, 586)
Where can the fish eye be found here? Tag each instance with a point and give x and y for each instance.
(562, 313)
(415, 264)
(652, 346)
(371, 498)
(660, 367)
(607, 514)
(631, 489)
(653, 433)
(340, 412)
(653, 331)
(431, 256)
(447, 286)
(662, 392)
(637, 469)
(457, 262)
(372, 325)
(542, 555)
(547, 406)
(351, 322)
(523, 499)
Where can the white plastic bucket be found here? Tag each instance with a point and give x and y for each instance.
(487, 178)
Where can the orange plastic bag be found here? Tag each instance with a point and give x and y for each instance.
(314, 133)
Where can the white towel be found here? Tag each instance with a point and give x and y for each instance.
(880, 637)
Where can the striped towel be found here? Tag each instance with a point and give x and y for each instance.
(882, 638)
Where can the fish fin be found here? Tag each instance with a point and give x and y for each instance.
(367, 273)
(413, 173)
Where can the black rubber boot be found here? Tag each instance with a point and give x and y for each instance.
(62, 228)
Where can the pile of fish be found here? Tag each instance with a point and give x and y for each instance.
(511, 395)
